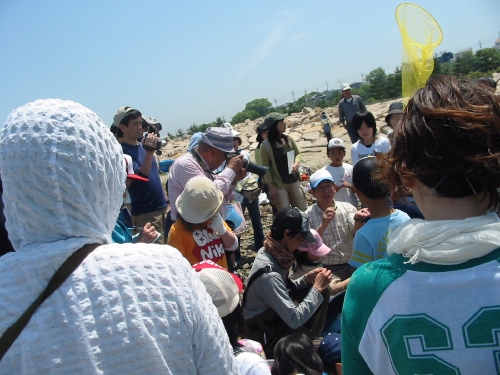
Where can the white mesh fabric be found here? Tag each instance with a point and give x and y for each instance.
(63, 179)
(62, 174)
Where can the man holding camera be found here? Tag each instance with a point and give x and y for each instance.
(147, 198)
(214, 149)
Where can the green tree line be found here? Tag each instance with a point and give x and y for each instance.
(378, 86)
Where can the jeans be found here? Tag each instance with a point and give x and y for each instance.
(254, 213)
(353, 134)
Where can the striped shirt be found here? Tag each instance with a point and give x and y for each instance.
(338, 236)
(184, 169)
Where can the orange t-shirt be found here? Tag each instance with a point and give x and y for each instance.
(202, 244)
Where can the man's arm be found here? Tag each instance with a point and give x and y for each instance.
(362, 107)
(274, 292)
(341, 113)
(151, 140)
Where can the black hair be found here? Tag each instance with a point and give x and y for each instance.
(364, 178)
(234, 324)
(286, 219)
(274, 135)
(296, 353)
(131, 115)
(190, 227)
(366, 117)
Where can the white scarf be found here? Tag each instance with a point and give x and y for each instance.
(446, 241)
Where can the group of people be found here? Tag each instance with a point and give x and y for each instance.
(150, 308)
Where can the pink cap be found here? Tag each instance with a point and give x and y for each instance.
(318, 249)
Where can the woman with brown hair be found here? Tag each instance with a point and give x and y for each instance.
(433, 306)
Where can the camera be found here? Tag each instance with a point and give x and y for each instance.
(251, 167)
(159, 145)
(153, 126)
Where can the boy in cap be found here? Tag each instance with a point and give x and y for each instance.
(370, 242)
(269, 309)
(341, 172)
(336, 222)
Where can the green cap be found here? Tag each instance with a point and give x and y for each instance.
(271, 119)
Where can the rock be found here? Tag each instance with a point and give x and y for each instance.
(295, 136)
(311, 136)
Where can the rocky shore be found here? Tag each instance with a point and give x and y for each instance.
(307, 131)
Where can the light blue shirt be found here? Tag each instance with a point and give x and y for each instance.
(370, 242)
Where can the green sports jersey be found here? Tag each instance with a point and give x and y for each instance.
(422, 318)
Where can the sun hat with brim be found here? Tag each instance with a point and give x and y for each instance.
(199, 201)
(221, 286)
(209, 264)
(130, 169)
(234, 132)
(273, 118)
(346, 86)
(220, 138)
(318, 249)
(396, 107)
(318, 177)
(293, 219)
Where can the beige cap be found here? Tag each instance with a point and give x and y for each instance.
(199, 200)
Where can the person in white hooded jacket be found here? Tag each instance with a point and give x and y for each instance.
(433, 306)
(127, 308)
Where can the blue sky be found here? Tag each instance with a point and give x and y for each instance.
(187, 62)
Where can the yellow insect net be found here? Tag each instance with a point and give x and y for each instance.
(420, 34)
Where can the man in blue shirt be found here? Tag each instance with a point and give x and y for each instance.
(147, 198)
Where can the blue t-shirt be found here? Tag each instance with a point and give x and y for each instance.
(145, 196)
(370, 242)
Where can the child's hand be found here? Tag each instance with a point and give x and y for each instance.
(362, 214)
(346, 185)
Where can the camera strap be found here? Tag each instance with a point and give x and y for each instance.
(211, 175)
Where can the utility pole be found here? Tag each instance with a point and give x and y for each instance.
(340, 84)
(305, 98)
(275, 104)
(293, 96)
(480, 46)
(327, 86)
(362, 78)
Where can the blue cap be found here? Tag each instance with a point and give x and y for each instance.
(330, 348)
(319, 176)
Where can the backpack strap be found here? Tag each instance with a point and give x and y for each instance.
(261, 271)
(62, 273)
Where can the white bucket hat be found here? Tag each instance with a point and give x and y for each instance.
(222, 288)
(199, 200)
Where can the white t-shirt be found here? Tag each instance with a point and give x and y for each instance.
(359, 150)
(339, 174)
(252, 364)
